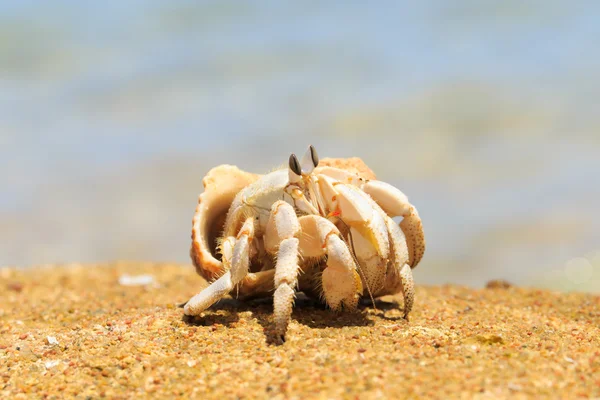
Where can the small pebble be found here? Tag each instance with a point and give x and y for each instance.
(51, 364)
(15, 286)
(498, 284)
(51, 340)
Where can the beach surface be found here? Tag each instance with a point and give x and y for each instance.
(116, 331)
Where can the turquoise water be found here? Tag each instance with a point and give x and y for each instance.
(487, 114)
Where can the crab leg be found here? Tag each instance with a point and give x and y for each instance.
(341, 283)
(281, 238)
(395, 203)
(256, 284)
(240, 260)
(400, 267)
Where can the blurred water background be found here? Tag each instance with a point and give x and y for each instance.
(487, 114)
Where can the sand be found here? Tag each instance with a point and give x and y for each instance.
(76, 331)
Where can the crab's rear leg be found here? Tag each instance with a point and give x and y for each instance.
(256, 284)
(240, 260)
(395, 203)
(400, 269)
(281, 239)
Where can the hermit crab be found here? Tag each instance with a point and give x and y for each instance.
(323, 228)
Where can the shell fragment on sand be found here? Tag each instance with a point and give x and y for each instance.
(136, 280)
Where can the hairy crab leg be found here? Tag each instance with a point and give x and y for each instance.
(253, 284)
(256, 284)
(400, 267)
(240, 260)
(281, 238)
(408, 289)
(341, 282)
(395, 203)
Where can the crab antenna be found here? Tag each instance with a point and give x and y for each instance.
(309, 161)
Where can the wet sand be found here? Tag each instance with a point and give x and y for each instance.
(76, 331)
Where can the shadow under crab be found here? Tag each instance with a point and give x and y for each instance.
(308, 311)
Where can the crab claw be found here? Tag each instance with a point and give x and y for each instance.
(356, 209)
(221, 184)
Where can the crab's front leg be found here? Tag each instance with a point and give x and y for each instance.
(395, 203)
(281, 239)
(340, 281)
(236, 252)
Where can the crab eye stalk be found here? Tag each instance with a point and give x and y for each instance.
(295, 165)
(314, 156)
(294, 170)
(309, 161)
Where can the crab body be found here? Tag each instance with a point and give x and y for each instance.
(324, 230)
